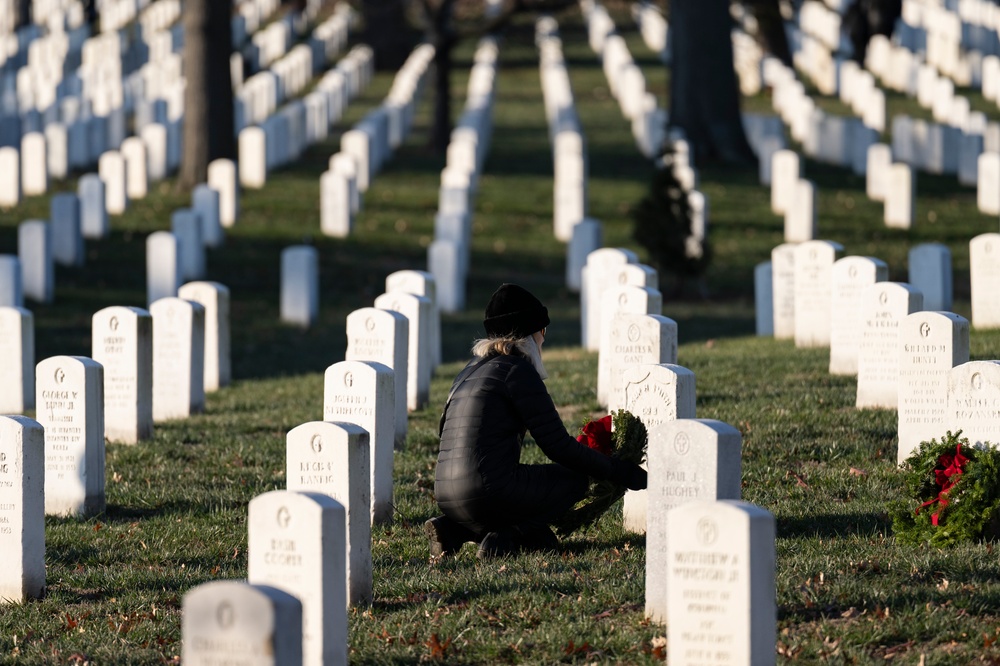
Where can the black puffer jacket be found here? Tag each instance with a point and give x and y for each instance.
(483, 427)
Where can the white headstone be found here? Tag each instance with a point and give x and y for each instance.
(785, 173)
(122, 342)
(988, 183)
(720, 585)
(347, 167)
(637, 339)
(594, 282)
(615, 301)
(883, 307)
(34, 251)
(67, 239)
(357, 144)
(783, 290)
(587, 237)
(900, 196)
(877, 171)
(133, 151)
(813, 292)
(69, 402)
(362, 392)
(178, 358)
(10, 184)
(974, 401)
(22, 509)
(17, 360)
(423, 284)
(984, 270)
(11, 291)
(417, 310)
(205, 202)
(93, 214)
(111, 167)
(849, 277)
(34, 165)
(930, 272)
(232, 622)
(655, 394)
(295, 543)
(382, 335)
(336, 219)
(253, 158)
(763, 299)
(335, 459)
(690, 460)
(222, 178)
(299, 285)
(154, 135)
(930, 345)
(214, 297)
(163, 266)
(185, 224)
(444, 262)
(800, 214)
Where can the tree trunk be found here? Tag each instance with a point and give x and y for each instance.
(771, 29)
(208, 99)
(704, 95)
(441, 35)
(387, 32)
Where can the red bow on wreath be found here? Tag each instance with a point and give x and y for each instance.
(597, 435)
(946, 475)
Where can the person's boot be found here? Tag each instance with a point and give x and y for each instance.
(497, 544)
(445, 536)
(537, 538)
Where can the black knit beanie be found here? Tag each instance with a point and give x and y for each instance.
(513, 310)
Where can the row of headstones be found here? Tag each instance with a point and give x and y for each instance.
(172, 257)
(938, 31)
(709, 556)
(73, 399)
(76, 144)
(149, 157)
(834, 139)
(299, 305)
(625, 80)
(284, 135)
(795, 197)
(905, 71)
(569, 152)
(654, 29)
(366, 147)
(306, 543)
(157, 363)
(955, 142)
(449, 254)
(262, 93)
(342, 463)
(900, 347)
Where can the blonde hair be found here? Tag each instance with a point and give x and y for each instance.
(507, 346)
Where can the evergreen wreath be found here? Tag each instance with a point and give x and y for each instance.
(953, 493)
(625, 441)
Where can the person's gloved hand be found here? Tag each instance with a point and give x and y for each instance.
(629, 475)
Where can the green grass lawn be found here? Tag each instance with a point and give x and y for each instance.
(177, 505)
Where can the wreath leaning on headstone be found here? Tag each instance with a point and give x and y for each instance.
(953, 493)
(620, 435)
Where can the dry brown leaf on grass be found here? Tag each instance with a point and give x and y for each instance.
(858, 472)
(438, 650)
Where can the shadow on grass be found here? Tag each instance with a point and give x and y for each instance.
(834, 525)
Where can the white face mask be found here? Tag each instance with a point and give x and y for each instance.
(529, 348)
